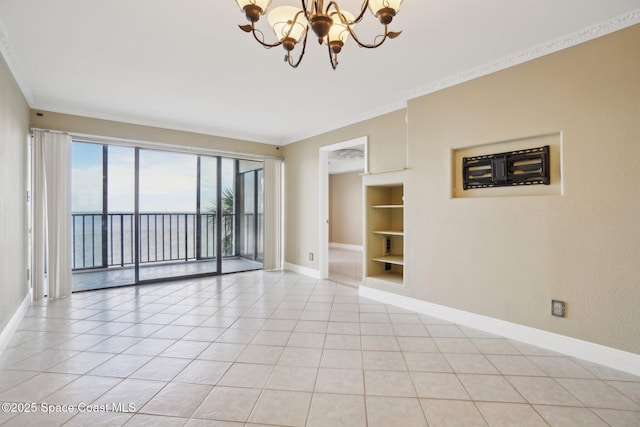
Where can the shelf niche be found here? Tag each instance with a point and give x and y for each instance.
(384, 229)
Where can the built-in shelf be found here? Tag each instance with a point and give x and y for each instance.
(384, 260)
(390, 232)
(385, 172)
(390, 259)
(393, 278)
(388, 206)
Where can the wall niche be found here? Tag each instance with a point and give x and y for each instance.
(553, 140)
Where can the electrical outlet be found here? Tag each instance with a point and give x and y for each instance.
(310, 256)
(557, 308)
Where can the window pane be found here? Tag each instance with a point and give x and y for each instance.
(86, 177)
(121, 204)
(168, 215)
(86, 204)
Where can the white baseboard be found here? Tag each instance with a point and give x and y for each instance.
(345, 246)
(12, 325)
(311, 272)
(596, 353)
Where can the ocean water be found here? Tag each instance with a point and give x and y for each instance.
(163, 237)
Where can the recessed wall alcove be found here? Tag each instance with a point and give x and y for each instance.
(553, 140)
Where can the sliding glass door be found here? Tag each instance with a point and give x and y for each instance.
(250, 206)
(175, 237)
(142, 215)
(103, 197)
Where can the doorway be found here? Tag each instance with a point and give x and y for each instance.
(341, 257)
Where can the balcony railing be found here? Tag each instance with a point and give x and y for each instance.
(101, 241)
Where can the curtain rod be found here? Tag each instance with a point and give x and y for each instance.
(125, 142)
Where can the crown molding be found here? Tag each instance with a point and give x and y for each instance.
(14, 67)
(573, 39)
(241, 136)
(371, 114)
(589, 33)
(159, 124)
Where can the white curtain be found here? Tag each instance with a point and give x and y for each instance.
(272, 258)
(52, 215)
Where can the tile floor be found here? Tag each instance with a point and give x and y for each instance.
(279, 349)
(345, 266)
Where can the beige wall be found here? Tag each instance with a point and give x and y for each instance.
(14, 130)
(345, 208)
(107, 128)
(507, 257)
(387, 149)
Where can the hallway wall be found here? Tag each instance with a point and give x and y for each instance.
(345, 208)
(14, 134)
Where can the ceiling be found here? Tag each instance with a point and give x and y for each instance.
(347, 160)
(185, 64)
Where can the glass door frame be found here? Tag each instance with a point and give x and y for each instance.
(137, 244)
(240, 187)
(198, 238)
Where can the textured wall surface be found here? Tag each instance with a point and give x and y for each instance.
(345, 208)
(507, 257)
(387, 150)
(14, 131)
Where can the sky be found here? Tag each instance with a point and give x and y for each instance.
(167, 180)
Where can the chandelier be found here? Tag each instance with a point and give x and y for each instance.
(332, 25)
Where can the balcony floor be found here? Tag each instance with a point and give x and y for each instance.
(120, 276)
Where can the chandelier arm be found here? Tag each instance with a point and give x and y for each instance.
(333, 57)
(304, 48)
(306, 12)
(344, 21)
(369, 46)
(295, 20)
(260, 39)
(266, 45)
